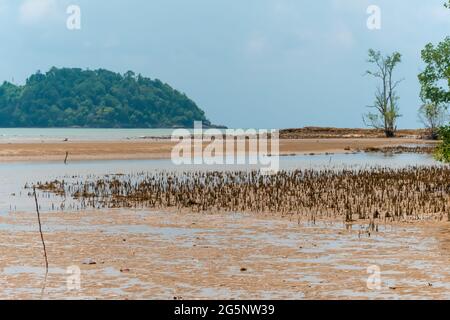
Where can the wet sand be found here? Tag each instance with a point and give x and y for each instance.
(161, 149)
(145, 255)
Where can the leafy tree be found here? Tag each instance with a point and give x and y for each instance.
(435, 79)
(386, 98)
(100, 98)
(432, 116)
(435, 82)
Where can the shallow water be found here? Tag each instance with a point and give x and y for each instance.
(55, 134)
(14, 176)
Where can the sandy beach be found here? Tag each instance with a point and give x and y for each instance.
(155, 255)
(161, 148)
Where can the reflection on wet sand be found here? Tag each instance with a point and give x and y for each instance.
(140, 254)
(444, 240)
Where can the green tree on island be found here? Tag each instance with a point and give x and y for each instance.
(98, 99)
(386, 98)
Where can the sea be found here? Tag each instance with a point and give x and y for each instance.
(79, 134)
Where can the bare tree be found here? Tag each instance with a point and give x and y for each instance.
(433, 116)
(386, 99)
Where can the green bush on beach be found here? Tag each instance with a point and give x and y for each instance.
(443, 150)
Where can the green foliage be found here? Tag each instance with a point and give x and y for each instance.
(443, 150)
(99, 99)
(432, 116)
(435, 79)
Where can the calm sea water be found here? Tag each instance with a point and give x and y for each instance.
(14, 176)
(82, 134)
(21, 134)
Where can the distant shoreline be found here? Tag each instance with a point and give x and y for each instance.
(212, 126)
(161, 148)
(29, 134)
(332, 132)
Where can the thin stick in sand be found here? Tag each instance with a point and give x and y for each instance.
(40, 230)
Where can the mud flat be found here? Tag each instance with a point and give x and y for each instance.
(330, 132)
(162, 148)
(157, 252)
(126, 254)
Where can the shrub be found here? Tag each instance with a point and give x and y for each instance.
(443, 150)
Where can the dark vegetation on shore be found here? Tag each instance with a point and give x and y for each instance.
(419, 149)
(97, 99)
(330, 132)
(396, 194)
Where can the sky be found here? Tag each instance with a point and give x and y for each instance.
(247, 63)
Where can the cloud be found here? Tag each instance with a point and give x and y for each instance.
(3, 6)
(111, 41)
(256, 45)
(440, 14)
(353, 6)
(344, 38)
(32, 11)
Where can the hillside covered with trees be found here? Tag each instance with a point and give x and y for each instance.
(97, 99)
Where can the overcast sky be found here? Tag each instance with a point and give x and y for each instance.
(247, 63)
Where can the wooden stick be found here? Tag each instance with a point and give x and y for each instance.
(67, 155)
(40, 229)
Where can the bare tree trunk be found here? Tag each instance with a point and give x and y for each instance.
(390, 133)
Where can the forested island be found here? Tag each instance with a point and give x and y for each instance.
(73, 97)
